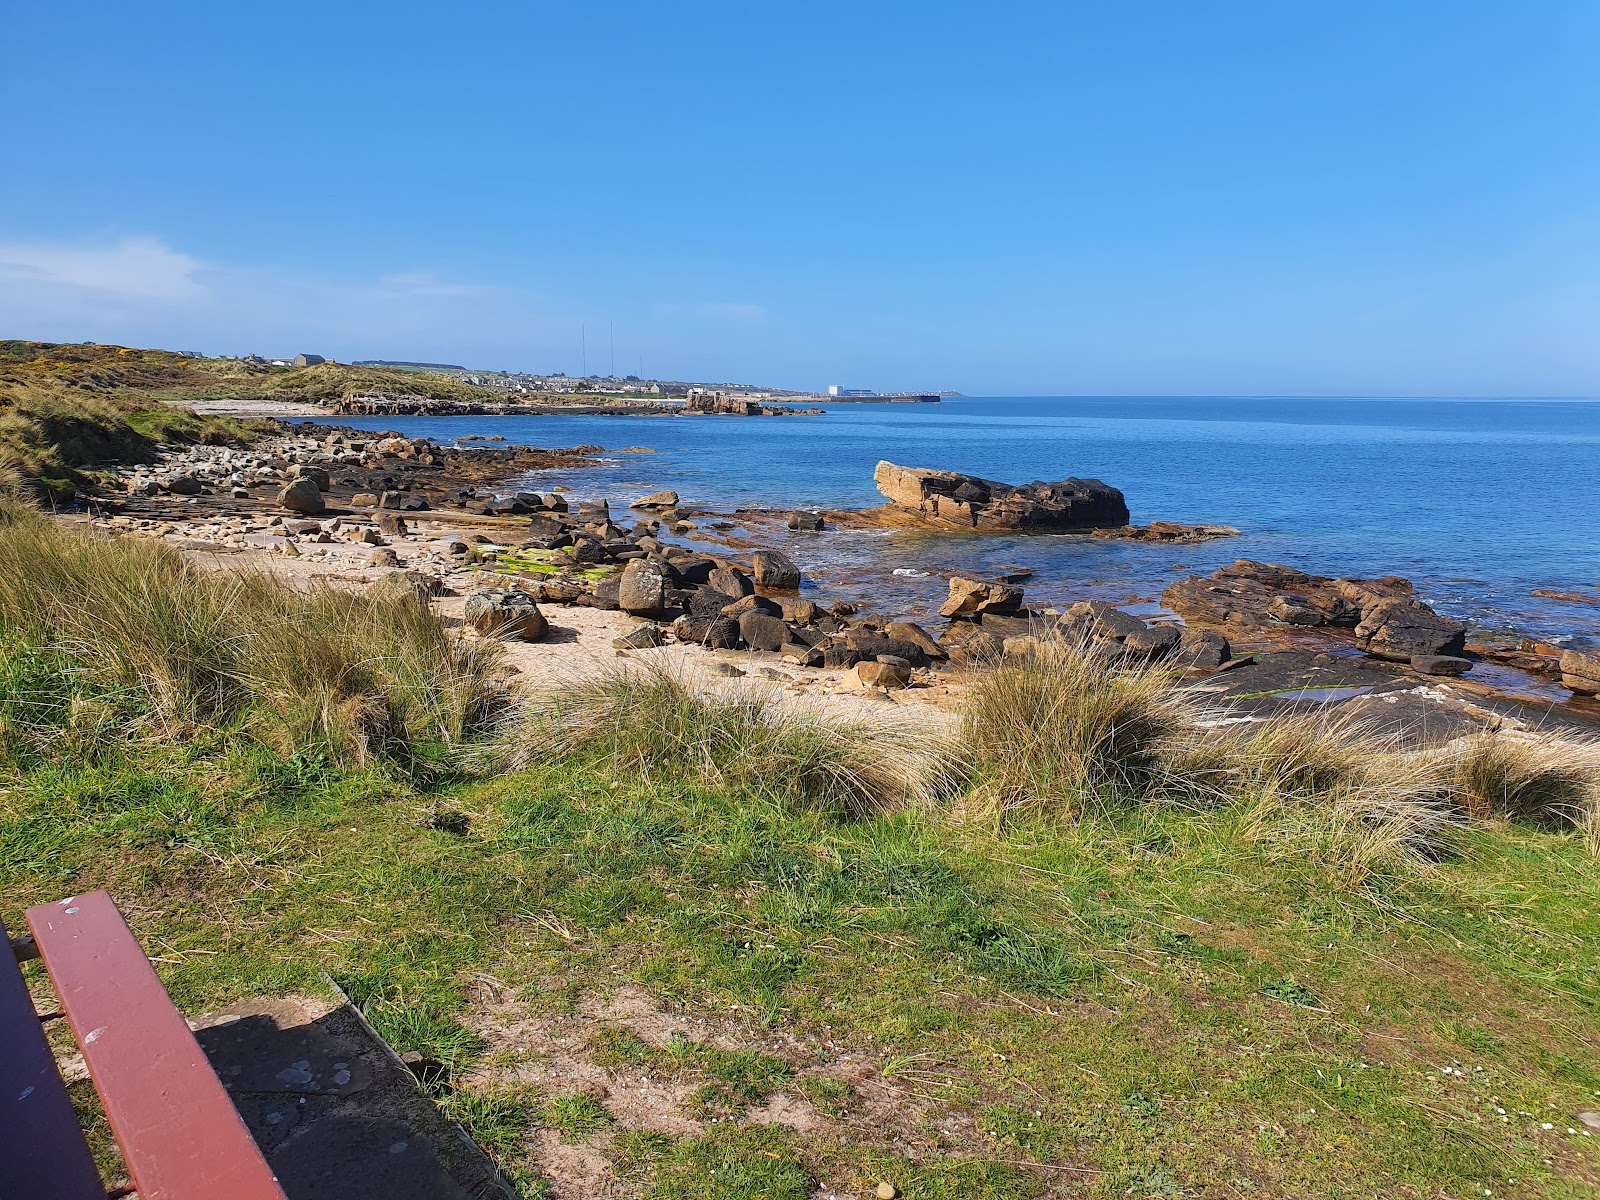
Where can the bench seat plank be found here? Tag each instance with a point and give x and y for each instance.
(180, 1135)
(42, 1152)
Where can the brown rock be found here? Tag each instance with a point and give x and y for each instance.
(1580, 671)
(972, 597)
(776, 570)
(966, 501)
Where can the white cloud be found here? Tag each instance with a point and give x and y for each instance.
(139, 268)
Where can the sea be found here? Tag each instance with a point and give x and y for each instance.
(1478, 502)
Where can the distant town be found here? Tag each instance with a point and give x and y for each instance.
(528, 383)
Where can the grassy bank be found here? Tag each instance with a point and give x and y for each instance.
(1092, 946)
(66, 408)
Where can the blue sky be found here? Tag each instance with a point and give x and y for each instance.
(1183, 197)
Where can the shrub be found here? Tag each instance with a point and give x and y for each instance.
(651, 720)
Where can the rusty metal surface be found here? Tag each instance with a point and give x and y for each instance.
(42, 1152)
(179, 1132)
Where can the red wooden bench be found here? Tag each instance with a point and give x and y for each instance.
(180, 1135)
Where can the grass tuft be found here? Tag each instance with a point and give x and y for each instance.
(651, 720)
(351, 674)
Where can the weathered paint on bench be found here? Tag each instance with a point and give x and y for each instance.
(42, 1152)
(180, 1135)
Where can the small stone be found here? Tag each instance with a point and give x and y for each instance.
(885, 1191)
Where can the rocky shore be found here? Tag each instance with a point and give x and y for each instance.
(578, 581)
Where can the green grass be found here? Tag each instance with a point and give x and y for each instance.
(1190, 990)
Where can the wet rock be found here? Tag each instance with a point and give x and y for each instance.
(1440, 664)
(302, 496)
(505, 613)
(810, 522)
(950, 498)
(972, 597)
(776, 570)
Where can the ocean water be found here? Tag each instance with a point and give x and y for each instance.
(1478, 502)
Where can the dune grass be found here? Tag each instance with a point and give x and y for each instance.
(650, 719)
(351, 674)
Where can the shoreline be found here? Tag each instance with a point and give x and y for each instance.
(438, 492)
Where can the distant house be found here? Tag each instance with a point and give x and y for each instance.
(309, 360)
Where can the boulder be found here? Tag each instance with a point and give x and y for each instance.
(315, 474)
(866, 676)
(752, 603)
(1580, 671)
(645, 637)
(383, 556)
(184, 485)
(643, 587)
(1398, 629)
(810, 522)
(364, 500)
(909, 631)
(657, 501)
(776, 570)
(760, 631)
(1203, 649)
(799, 612)
(730, 581)
(966, 501)
(391, 524)
(1104, 620)
(1154, 641)
(302, 496)
(972, 597)
(506, 614)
